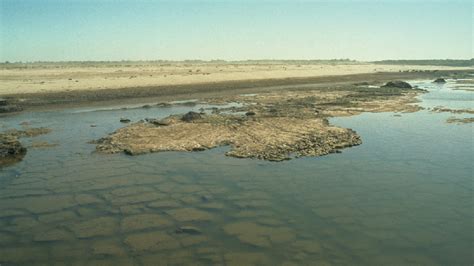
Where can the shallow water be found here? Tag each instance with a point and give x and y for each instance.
(405, 196)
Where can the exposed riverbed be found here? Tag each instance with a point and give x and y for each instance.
(403, 197)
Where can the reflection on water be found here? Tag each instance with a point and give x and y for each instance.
(403, 197)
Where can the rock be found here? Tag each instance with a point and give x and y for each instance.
(159, 122)
(191, 116)
(11, 150)
(3, 102)
(439, 80)
(188, 230)
(250, 113)
(397, 84)
(125, 120)
(10, 146)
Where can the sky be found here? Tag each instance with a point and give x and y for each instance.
(99, 30)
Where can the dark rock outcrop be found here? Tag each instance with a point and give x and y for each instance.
(10, 146)
(439, 80)
(191, 116)
(250, 113)
(397, 84)
(11, 150)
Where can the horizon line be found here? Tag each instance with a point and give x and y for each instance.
(224, 60)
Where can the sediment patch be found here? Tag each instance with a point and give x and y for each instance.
(268, 138)
(441, 109)
(454, 120)
(11, 149)
(272, 126)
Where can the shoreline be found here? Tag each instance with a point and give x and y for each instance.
(163, 93)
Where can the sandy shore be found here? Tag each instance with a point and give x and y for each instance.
(188, 85)
(65, 77)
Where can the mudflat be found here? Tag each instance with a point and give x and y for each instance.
(49, 84)
(284, 106)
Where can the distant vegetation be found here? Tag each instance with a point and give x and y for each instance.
(438, 62)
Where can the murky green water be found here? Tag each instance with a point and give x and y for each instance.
(403, 197)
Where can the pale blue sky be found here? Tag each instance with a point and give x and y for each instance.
(56, 30)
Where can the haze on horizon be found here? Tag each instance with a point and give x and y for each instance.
(54, 30)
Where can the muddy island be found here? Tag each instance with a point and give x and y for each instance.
(273, 126)
(11, 149)
(268, 138)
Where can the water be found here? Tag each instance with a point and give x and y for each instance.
(405, 196)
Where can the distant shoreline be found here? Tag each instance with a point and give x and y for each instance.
(162, 93)
(420, 62)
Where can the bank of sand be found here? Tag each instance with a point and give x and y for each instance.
(69, 77)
